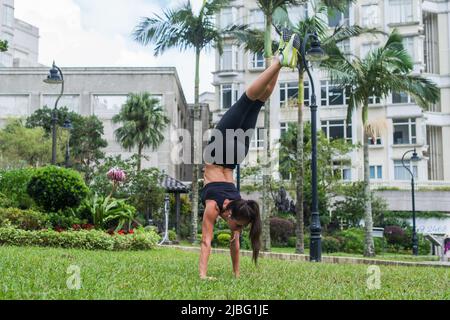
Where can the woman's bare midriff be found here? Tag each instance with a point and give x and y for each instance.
(215, 173)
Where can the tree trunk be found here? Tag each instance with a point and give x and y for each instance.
(195, 168)
(139, 158)
(369, 248)
(266, 245)
(299, 231)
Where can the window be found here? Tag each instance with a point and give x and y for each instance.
(229, 58)
(228, 95)
(401, 173)
(108, 105)
(408, 44)
(337, 129)
(344, 46)
(342, 170)
(331, 94)
(374, 100)
(6, 59)
(14, 105)
(257, 60)
(401, 97)
(257, 19)
(376, 141)
(401, 11)
(298, 13)
(376, 172)
(366, 48)
(405, 131)
(72, 102)
(258, 139)
(8, 16)
(337, 18)
(369, 16)
(226, 18)
(288, 91)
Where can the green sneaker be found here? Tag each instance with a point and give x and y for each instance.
(290, 53)
(286, 35)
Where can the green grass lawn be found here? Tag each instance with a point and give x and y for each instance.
(164, 273)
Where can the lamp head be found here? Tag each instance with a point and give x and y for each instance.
(67, 125)
(316, 53)
(54, 76)
(415, 157)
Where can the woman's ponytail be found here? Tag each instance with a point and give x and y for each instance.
(255, 229)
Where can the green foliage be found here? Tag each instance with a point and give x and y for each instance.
(351, 209)
(102, 210)
(64, 220)
(23, 219)
(223, 239)
(142, 189)
(13, 185)
(86, 141)
(143, 122)
(83, 239)
(172, 235)
(330, 245)
(353, 240)
(29, 145)
(3, 45)
(280, 231)
(55, 188)
(5, 202)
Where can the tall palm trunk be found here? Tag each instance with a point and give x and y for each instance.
(266, 245)
(140, 147)
(369, 248)
(195, 169)
(299, 230)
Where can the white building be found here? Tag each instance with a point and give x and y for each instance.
(22, 37)
(425, 26)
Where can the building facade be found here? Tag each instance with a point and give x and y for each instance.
(425, 27)
(100, 92)
(22, 37)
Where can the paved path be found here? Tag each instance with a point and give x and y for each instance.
(325, 259)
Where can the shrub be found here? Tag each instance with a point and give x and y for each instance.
(352, 240)
(280, 231)
(331, 244)
(395, 235)
(84, 239)
(5, 202)
(64, 221)
(172, 235)
(292, 242)
(223, 239)
(23, 219)
(245, 243)
(13, 185)
(56, 188)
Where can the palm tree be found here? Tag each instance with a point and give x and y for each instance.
(253, 40)
(183, 29)
(143, 122)
(382, 71)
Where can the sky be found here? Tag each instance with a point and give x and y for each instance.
(86, 33)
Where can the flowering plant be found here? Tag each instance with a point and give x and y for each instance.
(116, 176)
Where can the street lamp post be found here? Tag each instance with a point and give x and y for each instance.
(67, 126)
(414, 158)
(314, 55)
(55, 77)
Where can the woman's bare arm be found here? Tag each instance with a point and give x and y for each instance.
(209, 218)
(234, 252)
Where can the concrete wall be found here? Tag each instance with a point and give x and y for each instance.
(425, 200)
(83, 85)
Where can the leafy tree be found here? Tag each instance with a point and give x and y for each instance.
(143, 122)
(86, 137)
(3, 45)
(33, 146)
(382, 71)
(182, 28)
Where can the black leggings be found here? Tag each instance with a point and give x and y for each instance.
(242, 115)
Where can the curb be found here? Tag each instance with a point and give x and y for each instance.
(325, 259)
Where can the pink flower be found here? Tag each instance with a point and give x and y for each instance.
(116, 175)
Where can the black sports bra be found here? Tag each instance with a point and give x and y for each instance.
(219, 192)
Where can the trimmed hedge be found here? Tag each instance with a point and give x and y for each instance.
(83, 239)
(23, 219)
(55, 188)
(13, 185)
